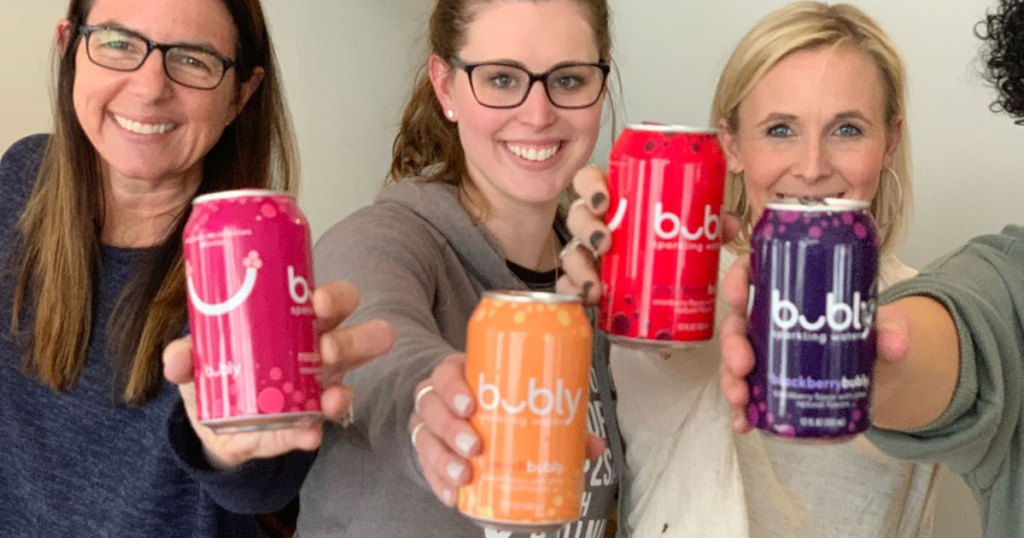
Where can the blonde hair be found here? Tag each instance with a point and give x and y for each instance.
(808, 25)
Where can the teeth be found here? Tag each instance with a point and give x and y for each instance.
(779, 195)
(144, 128)
(533, 154)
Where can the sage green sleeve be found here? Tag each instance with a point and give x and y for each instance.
(979, 434)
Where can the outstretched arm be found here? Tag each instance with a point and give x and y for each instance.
(919, 363)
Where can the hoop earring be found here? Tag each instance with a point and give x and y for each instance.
(745, 215)
(898, 185)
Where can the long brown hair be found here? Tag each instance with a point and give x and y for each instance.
(425, 138)
(60, 249)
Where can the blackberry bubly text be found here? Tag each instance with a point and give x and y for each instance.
(813, 268)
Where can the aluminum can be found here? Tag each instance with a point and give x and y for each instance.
(528, 364)
(248, 269)
(813, 270)
(666, 185)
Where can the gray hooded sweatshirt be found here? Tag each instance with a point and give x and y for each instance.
(421, 263)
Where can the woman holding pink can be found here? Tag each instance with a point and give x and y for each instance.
(155, 102)
(811, 103)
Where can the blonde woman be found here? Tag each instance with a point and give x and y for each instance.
(811, 102)
(950, 341)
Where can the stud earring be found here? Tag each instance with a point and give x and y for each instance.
(450, 114)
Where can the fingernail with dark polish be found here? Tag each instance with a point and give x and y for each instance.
(596, 239)
(587, 286)
(597, 200)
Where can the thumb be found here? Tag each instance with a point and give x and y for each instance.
(893, 329)
(178, 361)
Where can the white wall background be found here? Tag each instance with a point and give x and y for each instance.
(348, 63)
(967, 164)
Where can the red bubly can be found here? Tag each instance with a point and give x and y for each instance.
(248, 267)
(666, 184)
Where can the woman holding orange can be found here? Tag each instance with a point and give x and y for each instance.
(508, 107)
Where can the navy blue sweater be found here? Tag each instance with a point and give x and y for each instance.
(82, 462)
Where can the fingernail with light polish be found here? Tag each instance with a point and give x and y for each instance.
(455, 470)
(447, 494)
(465, 442)
(462, 402)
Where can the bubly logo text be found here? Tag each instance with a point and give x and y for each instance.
(669, 226)
(838, 316)
(558, 402)
(224, 369)
(298, 287)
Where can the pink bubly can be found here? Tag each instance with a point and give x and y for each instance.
(248, 267)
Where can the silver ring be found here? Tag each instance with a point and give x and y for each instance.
(415, 431)
(576, 202)
(573, 243)
(349, 417)
(419, 396)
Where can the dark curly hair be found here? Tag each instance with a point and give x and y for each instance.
(1003, 56)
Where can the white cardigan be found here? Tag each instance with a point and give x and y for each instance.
(689, 475)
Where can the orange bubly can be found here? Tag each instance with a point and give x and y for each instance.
(528, 364)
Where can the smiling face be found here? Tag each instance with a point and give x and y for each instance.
(526, 154)
(814, 125)
(143, 125)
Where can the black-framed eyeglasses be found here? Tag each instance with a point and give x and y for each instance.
(123, 50)
(506, 85)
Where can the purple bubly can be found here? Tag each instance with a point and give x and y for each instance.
(813, 269)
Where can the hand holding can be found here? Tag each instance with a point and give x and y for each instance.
(439, 428)
(343, 348)
(590, 237)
